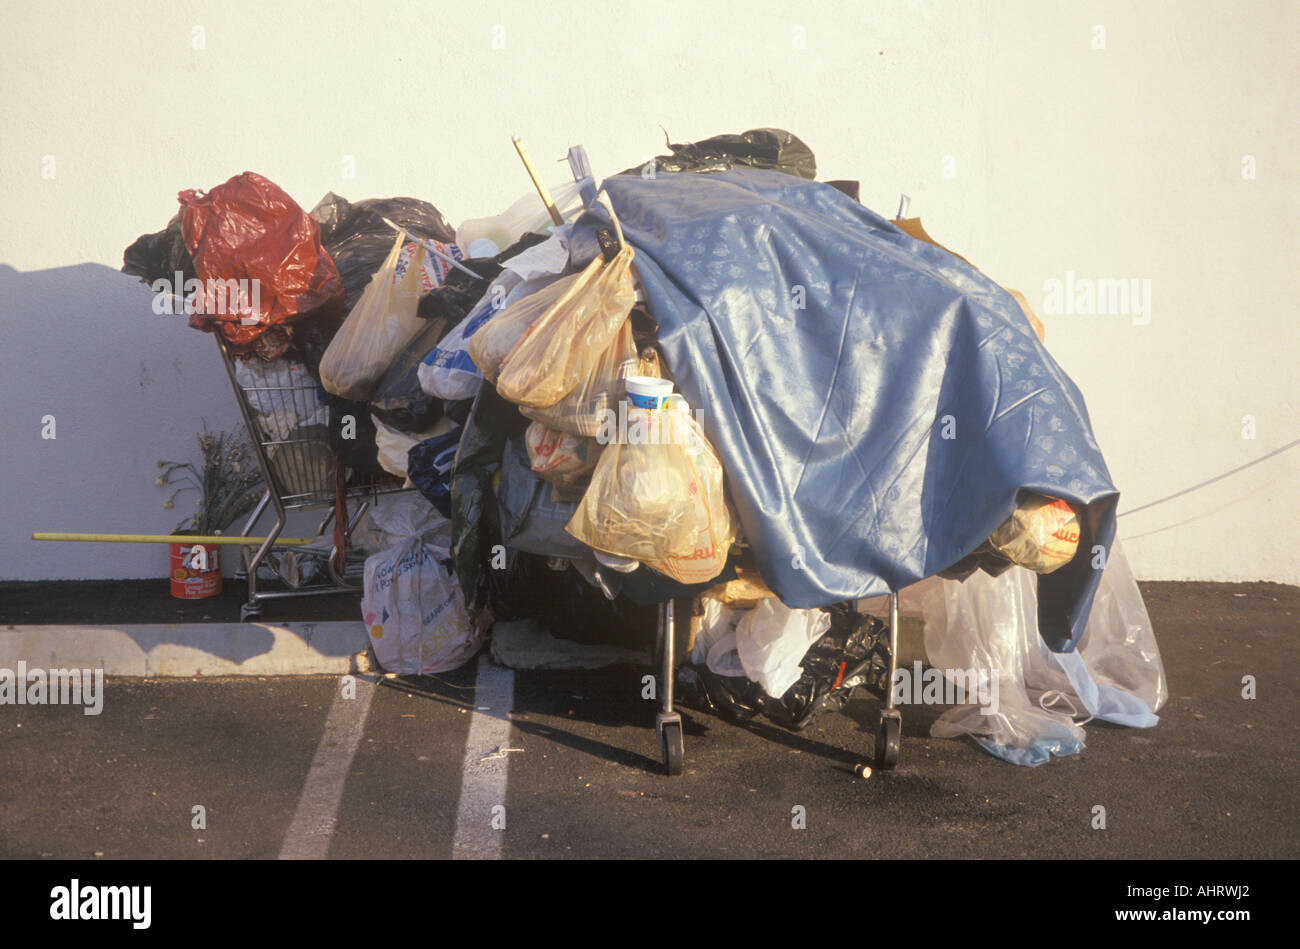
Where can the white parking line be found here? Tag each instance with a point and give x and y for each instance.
(480, 829)
(313, 823)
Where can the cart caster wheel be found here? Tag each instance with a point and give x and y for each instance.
(889, 736)
(670, 743)
(247, 613)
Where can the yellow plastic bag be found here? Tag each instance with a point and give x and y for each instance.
(562, 348)
(489, 346)
(590, 404)
(383, 321)
(657, 496)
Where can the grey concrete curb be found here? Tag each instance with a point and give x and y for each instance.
(191, 649)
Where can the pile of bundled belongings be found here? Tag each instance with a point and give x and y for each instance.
(718, 380)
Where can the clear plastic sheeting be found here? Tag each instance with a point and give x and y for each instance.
(990, 624)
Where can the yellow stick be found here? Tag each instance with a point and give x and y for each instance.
(537, 181)
(211, 540)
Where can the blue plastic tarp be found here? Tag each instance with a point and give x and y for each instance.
(877, 403)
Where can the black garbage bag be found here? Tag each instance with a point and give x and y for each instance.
(457, 409)
(515, 591)
(358, 453)
(571, 608)
(356, 236)
(734, 697)
(491, 422)
(776, 149)
(311, 337)
(853, 652)
(160, 256)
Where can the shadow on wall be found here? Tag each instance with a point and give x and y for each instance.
(87, 361)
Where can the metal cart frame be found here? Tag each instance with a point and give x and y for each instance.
(668, 722)
(300, 473)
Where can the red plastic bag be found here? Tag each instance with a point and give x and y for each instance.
(250, 231)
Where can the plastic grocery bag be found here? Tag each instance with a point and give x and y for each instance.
(394, 445)
(559, 457)
(525, 215)
(412, 606)
(1041, 534)
(657, 495)
(376, 331)
(562, 346)
(491, 344)
(588, 407)
(766, 644)
(772, 639)
(448, 372)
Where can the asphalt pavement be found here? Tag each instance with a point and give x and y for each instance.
(566, 765)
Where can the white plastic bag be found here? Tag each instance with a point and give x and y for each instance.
(765, 644)
(379, 327)
(715, 641)
(394, 445)
(412, 606)
(526, 215)
(772, 640)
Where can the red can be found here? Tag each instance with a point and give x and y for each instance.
(195, 570)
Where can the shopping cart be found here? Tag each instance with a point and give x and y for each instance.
(288, 424)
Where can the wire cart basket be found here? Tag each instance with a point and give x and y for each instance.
(288, 425)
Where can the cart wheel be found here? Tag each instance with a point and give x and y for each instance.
(670, 743)
(247, 612)
(889, 736)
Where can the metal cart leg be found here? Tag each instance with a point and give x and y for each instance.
(668, 724)
(242, 573)
(889, 733)
(253, 608)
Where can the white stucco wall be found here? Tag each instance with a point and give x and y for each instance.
(1024, 146)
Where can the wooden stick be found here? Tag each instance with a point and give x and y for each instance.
(537, 181)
